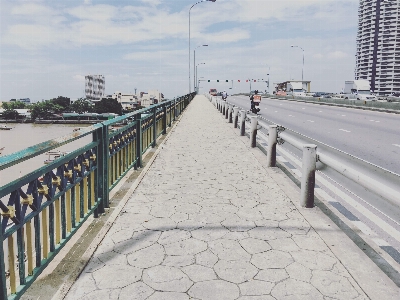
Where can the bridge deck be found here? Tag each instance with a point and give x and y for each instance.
(208, 221)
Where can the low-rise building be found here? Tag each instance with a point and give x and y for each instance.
(128, 101)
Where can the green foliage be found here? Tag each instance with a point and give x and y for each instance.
(45, 110)
(62, 101)
(14, 105)
(81, 106)
(108, 106)
(9, 114)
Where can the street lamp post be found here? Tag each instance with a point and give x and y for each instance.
(196, 74)
(190, 86)
(302, 70)
(194, 64)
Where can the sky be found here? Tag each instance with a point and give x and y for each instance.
(47, 47)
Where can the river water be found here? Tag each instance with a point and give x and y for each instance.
(26, 135)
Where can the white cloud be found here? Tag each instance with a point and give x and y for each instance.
(144, 43)
(337, 54)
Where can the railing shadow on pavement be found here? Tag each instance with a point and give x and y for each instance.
(42, 210)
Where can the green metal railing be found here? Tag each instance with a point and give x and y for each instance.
(42, 210)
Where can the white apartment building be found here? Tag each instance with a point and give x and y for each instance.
(378, 45)
(128, 101)
(152, 97)
(94, 87)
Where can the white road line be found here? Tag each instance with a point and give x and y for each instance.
(364, 211)
(276, 111)
(396, 145)
(303, 108)
(344, 130)
(310, 121)
(290, 116)
(320, 111)
(343, 115)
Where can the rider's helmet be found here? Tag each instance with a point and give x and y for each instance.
(256, 92)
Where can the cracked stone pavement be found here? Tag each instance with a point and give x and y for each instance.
(208, 222)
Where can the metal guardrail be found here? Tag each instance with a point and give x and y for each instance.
(380, 181)
(42, 210)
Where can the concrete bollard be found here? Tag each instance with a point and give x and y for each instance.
(226, 110)
(272, 141)
(235, 117)
(308, 175)
(253, 131)
(223, 107)
(230, 114)
(242, 122)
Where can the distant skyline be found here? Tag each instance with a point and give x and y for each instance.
(48, 47)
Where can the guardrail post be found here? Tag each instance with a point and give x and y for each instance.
(139, 163)
(272, 141)
(3, 287)
(174, 110)
(308, 175)
(235, 117)
(242, 122)
(226, 110)
(230, 114)
(253, 131)
(154, 127)
(164, 119)
(101, 136)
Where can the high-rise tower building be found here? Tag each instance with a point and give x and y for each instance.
(94, 87)
(378, 45)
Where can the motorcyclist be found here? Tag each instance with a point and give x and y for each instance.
(224, 95)
(253, 105)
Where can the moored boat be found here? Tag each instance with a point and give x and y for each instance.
(5, 127)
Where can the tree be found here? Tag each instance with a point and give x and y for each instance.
(81, 106)
(62, 101)
(45, 110)
(108, 106)
(14, 105)
(10, 114)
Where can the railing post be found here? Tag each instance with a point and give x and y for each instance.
(223, 107)
(154, 127)
(230, 114)
(235, 117)
(102, 166)
(164, 119)
(226, 110)
(253, 131)
(3, 287)
(272, 141)
(138, 118)
(242, 122)
(174, 109)
(308, 175)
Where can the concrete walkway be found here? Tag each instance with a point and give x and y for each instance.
(208, 221)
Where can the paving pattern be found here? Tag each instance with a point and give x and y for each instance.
(208, 222)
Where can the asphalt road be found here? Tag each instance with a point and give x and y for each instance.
(372, 136)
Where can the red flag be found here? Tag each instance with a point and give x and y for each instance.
(238, 80)
(247, 80)
(255, 80)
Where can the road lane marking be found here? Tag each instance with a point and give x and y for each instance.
(310, 121)
(343, 115)
(374, 121)
(344, 130)
(320, 111)
(396, 145)
(303, 108)
(290, 116)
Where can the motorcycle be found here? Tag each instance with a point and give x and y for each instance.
(254, 109)
(224, 97)
(255, 101)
